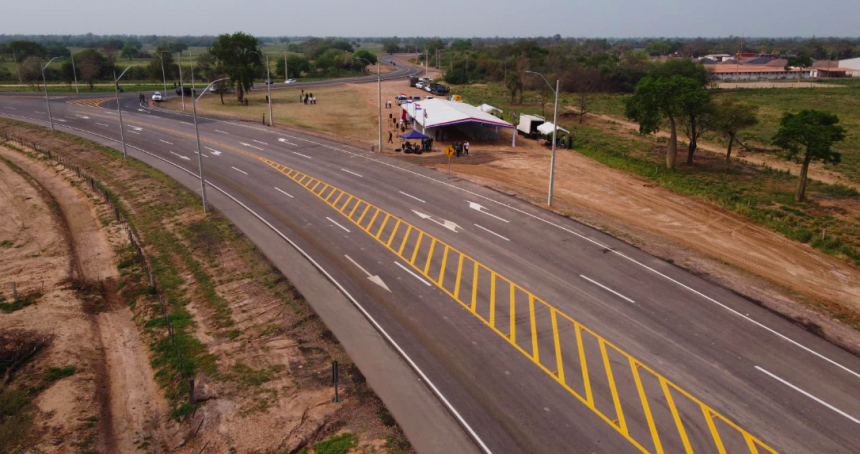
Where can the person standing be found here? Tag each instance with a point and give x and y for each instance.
(466, 148)
(390, 137)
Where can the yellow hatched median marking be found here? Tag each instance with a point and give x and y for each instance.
(753, 444)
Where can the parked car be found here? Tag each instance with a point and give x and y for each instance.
(419, 85)
(401, 99)
(157, 97)
(186, 90)
(415, 98)
(290, 81)
(428, 89)
(439, 89)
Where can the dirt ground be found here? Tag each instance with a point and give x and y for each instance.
(60, 247)
(268, 388)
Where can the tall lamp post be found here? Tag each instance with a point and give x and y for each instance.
(119, 110)
(554, 132)
(74, 72)
(197, 132)
(163, 74)
(45, 83)
(268, 86)
(379, 100)
(181, 90)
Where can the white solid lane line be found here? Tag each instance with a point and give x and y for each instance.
(302, 155)
(222, 132)
(488, 230)
(413, 274)
(162, 140)
(335, 223)
(10, 108)
(255, 140)
(284, 193)
(133, 132)
(412, 197)
(239, 170)
(102, 124)
(350, 171)
(607, 288)
(851, 418)
(214, 151)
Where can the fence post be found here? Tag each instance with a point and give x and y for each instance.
(334, 379)
(14, 292)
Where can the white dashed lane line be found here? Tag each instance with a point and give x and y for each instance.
(350, 171)
(335, 223)
(222, 132)
(255, 140)
(239, 170)
(162, 140)
(412, 197)
(302, 155)
(490, 231)
(284, 193)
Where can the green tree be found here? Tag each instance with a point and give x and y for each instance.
(808, 136)
(240, 56)
(683, 67)
(23, 49)
(798, 61)
(297, 65)
(461, 45)
(154, 66)
(391, 45)
(659, 99)
(366, 56)
(732, 117)
(128, 52)
(92, 65)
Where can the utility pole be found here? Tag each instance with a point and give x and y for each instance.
(45, 83)
(554, 133)
(197, 133)
(74, 73)
(163, 74)
(286, 68)
(119, 110)
(18, 67)
(181, 91)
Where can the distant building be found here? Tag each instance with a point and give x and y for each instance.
(717, 57)
(851, 65)
(759, 72)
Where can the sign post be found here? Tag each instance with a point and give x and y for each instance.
(450, 152)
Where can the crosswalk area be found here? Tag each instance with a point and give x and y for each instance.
(652, 412)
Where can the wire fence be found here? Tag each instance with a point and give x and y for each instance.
(134, 240)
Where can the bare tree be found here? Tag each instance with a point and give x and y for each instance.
(31, 70)
(584, 82)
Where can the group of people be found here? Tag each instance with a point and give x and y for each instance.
(461, 148)
(307, 98)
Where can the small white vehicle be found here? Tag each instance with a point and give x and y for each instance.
(419, 85)
(157, 96)
(290, 81)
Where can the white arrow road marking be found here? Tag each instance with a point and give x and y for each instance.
(490, 231)
(335, 223)
(350, 171)
(182, 157)
(214, 151)
(133, 132)
(254, 140)
(143, 110)
(284, 193)
(607, 289)
(375, 279)
(83, 116)
(239, 170)
(809, 396)
(136, 128)
(479, 207)
(303, 155)
(162, 140)
(286, 141)
(412, 197)
(249, 145)
(222, 132)
(413, 274)
(102, 124)
(450, 225)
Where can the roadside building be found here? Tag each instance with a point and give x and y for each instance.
(454, 119)
(852, 65)
(759, 72)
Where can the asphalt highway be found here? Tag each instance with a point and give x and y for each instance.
(537, 334)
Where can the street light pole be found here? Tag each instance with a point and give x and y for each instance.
(286, 68)
(379, 94)
(181, 91)
(119, 110)
(163, 74)
(74, 72)
(554, 132)
(45, 83)
(197, 133)
(269, 86)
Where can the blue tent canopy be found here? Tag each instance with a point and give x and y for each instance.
(413, 134)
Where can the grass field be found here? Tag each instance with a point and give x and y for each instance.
(762, 195)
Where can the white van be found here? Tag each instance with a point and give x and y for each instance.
(528, 125)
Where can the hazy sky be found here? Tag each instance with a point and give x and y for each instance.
(603, 18)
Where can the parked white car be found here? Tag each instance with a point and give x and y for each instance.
(290, 81)
(157, 96)
(419, 85)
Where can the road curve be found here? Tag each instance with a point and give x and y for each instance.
(537, 333)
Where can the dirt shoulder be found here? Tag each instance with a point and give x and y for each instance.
(259, 355)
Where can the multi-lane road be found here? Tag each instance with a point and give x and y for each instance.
(535, 333)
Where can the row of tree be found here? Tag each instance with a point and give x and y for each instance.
(674, 95)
